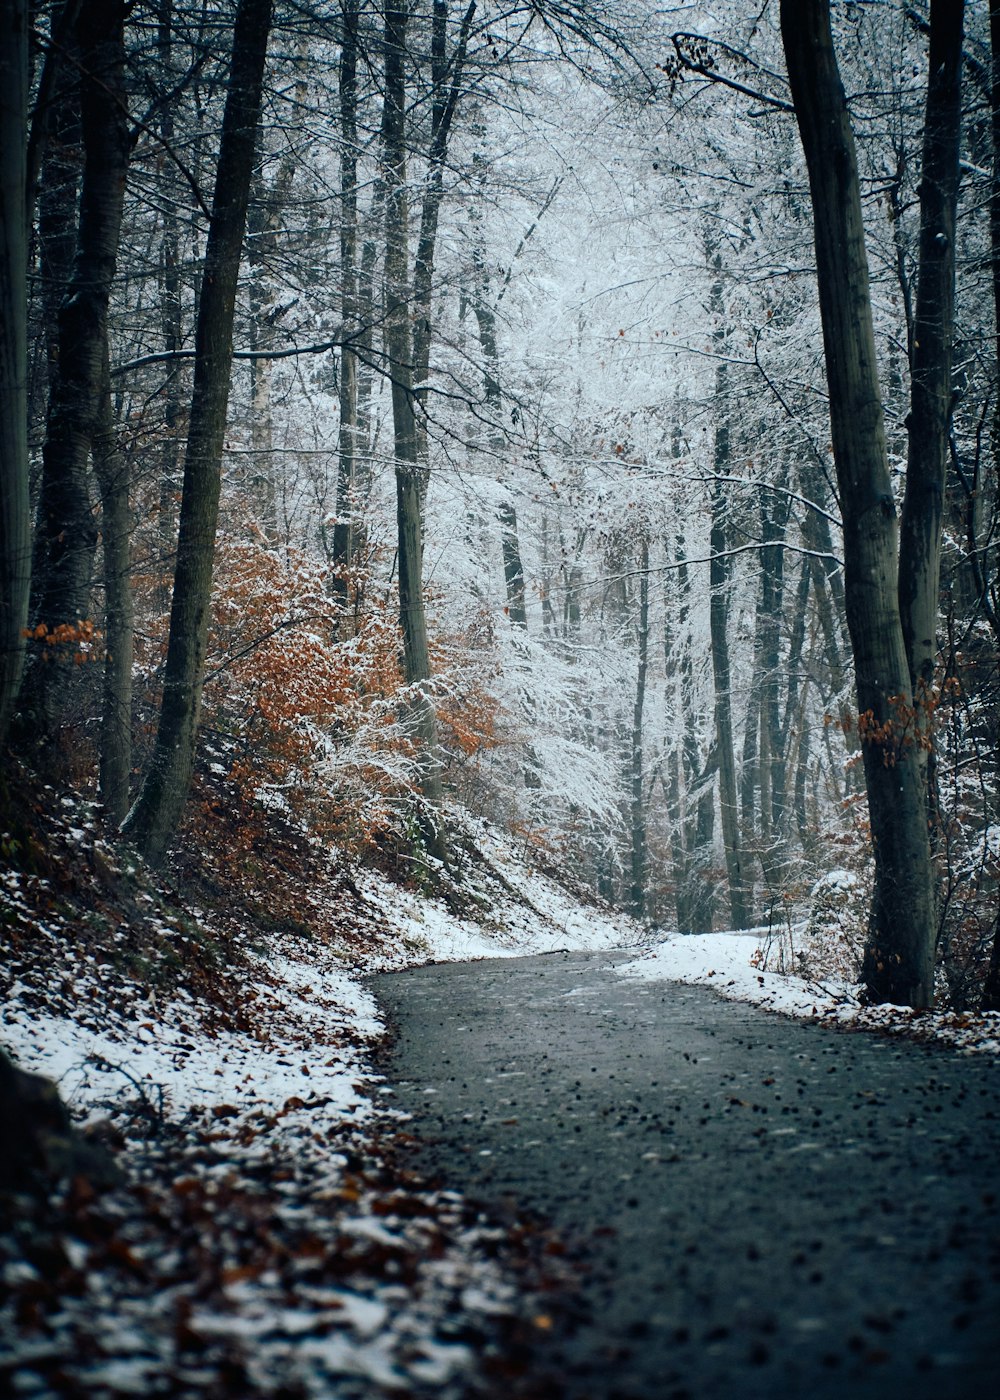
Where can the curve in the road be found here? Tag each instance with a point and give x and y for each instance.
(763, 1207)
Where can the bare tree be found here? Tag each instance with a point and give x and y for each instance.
(15, 544)
(409, 471)
(899, 957)
(67, 523)
(153, 819)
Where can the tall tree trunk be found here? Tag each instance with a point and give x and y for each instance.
(171, 327)
(172, 331)
(153, 819)
(637, 807)
(111, 470)
(774, 519)
(59, 154)
(513, 569)
(719, 628)
(370, 294)
(409, 472)
(930, 372)
(446, 79)
(899, 956)
(265, 218)
(66, 518)
(693, 799)
(348, 444)
(15, 541)
(974, 511)
(792, 719)
(750, 763)
(980, 571)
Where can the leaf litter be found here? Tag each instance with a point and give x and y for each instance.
(264, 1234)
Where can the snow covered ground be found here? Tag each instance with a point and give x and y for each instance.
(161, 1053)
(268, 1228)
(740, 966)
(279, 1247)
(520, 911)
(734, 964)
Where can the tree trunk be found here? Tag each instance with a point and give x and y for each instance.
(15, 525)
(370, 292)
(153, 819)
(171, 326)
(991, 992)
(637, 807)
(772, 558)
(693, 800)
(446, 79)
(59, 154)
(513, 569)
(265, 219)
(719, 626)
(899, 956)
(792, 725)
(347, 455)
(750, 763)
(930, 372)
(409, 473)
(66, 517)
(172, 330)
(111, 470)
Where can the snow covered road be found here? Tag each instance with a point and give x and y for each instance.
(758, 1206)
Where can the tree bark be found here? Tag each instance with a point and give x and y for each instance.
(774, 522)
(513, 568)
(637, 807)
(348, 443)
(930, 372)
(692, 801)
(153, 819)
(15, 525)
(59, 155)
(446, 79)
(718, 627)
(111, 470)
(67, 525)
(980, 572)
(792, 719)
(899, 956)
(409, 472)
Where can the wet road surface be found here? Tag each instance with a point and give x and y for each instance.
(762, 1207)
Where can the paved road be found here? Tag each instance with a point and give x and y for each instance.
(762, 1207)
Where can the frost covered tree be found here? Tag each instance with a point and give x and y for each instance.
(900, 953)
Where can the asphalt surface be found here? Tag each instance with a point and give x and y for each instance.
(758, 1206)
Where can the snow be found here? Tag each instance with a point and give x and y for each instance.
(731, 964)
(726, 962)
(163, 1059)
(529, 912)
(292, 1086)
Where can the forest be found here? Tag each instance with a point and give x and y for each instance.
(445, 446)
(432, 412)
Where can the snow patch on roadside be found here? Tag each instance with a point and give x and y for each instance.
(520, 911)
(313, 1017)
(729, 963)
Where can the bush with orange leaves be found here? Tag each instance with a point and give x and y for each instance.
(310, 709)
